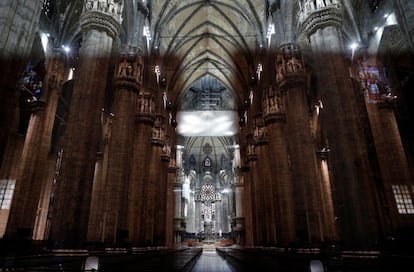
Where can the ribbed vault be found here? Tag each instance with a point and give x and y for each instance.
(219, 38)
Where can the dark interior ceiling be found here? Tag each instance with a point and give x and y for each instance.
(208, 50)
(208, 37)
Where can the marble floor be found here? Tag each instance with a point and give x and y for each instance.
(210, 261)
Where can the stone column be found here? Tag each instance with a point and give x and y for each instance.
(274, 114)
(391, 158)
(178, 217)
(19, 20)
(197, 211)
(342, 129)
(238, 195)
(124, 108)
(150, 212)
(218, 204)
(247, 155)
(265, 180)
(160, 184)
(171, 204)
(292, 77)
(257, 192)
(34, 160)
(100, 26)
(138, 184)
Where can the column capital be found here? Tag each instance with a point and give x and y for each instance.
(146, 107)
(129, 73)
(318, 14)
(274, 106)
(251, 152)
(290, 67)
(260, 135)
(37, 106)
(99, 20)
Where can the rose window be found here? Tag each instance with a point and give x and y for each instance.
(207, 192)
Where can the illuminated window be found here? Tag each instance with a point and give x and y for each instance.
(403, 199)
(207, 192)
(6, 192)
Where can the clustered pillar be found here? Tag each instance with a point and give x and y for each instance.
(33, 184)
(70, 214)
(342, 130)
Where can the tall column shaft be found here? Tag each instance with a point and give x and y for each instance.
(155, 210)
(274, 109)
(178, 189)
(124, 109)
(83, 131)
(19, 21)
(35, 154)
(390, 151)
(171, 204)
(266, 179)
(257, 201)
(138, 184)
(348, 158)
(314, 222)
(247, 206)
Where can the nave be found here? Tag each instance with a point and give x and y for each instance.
(211, 261)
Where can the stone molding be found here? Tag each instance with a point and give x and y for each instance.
(328, 16)
(100, 21)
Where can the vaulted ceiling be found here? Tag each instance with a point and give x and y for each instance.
(204, 48)
(208, 37)
(208, 46)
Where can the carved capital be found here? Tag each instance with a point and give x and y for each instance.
(274, 106)
(143, 117)
(146, 105)
(290, 67)
(321, 15)
(130, 69)
(251, 153)
(110, 7)
(98, 20)
(260, 135)
(56, 68)
(37, 106)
